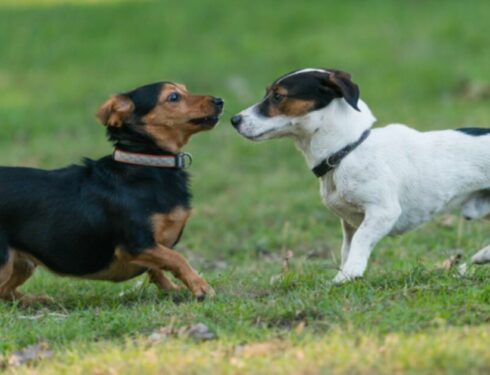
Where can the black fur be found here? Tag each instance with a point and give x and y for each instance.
(312, 86)
(475, 132)
(131, 137)
(145, 97)
(72, 219)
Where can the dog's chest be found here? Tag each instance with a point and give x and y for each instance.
(337, 202)
(167, 228)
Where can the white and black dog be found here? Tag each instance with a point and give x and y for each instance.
(379, 182)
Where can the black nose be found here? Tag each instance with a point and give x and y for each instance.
(236, 120)
(218, 102)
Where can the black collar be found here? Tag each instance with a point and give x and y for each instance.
(327, 164)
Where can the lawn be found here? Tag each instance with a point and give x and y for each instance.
(424, 63)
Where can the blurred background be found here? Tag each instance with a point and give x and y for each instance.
(424, 63)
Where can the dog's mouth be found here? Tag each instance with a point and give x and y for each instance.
(208, 121)
(257, 137)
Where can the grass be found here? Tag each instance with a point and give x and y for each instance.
(448, 350)
(61, 59)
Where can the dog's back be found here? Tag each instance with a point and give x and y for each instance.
(52, 216)
(429, 172)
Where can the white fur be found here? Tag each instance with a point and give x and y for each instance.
(396, 180)
(482, 257)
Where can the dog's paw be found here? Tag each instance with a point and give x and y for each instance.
(351, 270)
(482, 257)
(202, 290)
(208, 292)
(344, 276)
(340, 278)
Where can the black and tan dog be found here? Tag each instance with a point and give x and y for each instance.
(116, 217)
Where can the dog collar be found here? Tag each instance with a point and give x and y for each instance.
(327, 164)
(182, 160)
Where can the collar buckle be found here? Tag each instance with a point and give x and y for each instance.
(333, 161)
(330, 164)
(183, 160)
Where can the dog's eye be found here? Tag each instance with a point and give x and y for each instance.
(277, 97)
(173, 97)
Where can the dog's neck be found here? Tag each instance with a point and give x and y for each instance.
(330, 129)
(129, 140)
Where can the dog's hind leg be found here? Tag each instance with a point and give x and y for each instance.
(482, 257)
(15, 271)
(6, 268)
(477, 206)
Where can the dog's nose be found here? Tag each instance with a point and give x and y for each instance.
(218, 102)
(236, 120)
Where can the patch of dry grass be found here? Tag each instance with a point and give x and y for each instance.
(445, 350)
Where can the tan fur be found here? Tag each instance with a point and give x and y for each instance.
(281, 90)
(295, 107)
(115, 110)
(167, 227)
(161, 281)
(21, 266)
(161, 257)
(170, 123)
(288, 106)
(120, 269)
(5, 274)
(13, 274)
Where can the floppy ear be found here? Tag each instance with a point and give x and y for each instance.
(348, 89)
(115, 110)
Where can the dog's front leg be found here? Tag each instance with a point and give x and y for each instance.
(163, 258)
(347, 232)
(161, 281)
(377, 223)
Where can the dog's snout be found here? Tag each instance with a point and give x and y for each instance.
(218, 102)
(236, 120)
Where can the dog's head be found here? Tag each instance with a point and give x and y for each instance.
(164, 113)
(290, 101)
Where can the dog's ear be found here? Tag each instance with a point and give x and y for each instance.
(115, 111)
(341, 82)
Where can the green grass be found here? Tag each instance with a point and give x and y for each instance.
(60, 60)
